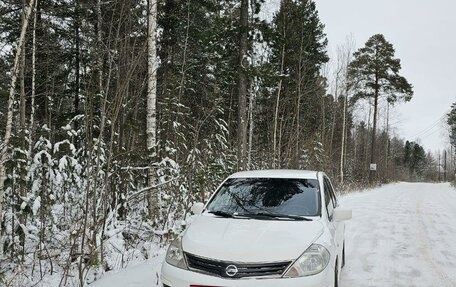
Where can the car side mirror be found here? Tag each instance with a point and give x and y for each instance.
(197, 208)
(342, 214)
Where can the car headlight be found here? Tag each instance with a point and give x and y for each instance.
(312, 261)
(175, 254)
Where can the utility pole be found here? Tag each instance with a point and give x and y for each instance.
(439, 166)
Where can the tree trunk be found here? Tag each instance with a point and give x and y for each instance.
(345, 53)
(242, 85)
(33, 92)
(298, 102)
(253, 95)
(366, 140)
(183, 72)
(77, 27)
(22, 103)
(344, 117)
(97, 193)
(22, 135)
(374, 131)
(387, 141)
(9, 115)
(333, 121)
(344, 132)
(101, 96)
(251, 127)
(276, 155)
(323, 121)
(152, 103)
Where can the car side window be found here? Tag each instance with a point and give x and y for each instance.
(332, 192)
(328, 198)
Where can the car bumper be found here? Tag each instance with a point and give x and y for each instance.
(176, 277)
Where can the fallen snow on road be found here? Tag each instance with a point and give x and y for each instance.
(401, 235)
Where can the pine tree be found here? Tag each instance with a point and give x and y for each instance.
(374, 72)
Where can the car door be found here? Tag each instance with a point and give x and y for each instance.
(337, 226)
(329, 209)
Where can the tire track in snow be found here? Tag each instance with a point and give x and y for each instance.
(424, 249)
(401, 235)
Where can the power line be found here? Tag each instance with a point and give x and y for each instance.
(432, 133)
(431, 127)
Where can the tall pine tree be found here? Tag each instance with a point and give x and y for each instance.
(374, 72)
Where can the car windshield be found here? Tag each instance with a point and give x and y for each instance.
(298, 197)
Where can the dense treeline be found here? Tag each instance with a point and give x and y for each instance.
(232, 91)
(451, 154)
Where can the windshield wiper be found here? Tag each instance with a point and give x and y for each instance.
(221, 213)
(262, 215)
(228, 215)
(258, 215)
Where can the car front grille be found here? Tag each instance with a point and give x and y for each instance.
(244, 270)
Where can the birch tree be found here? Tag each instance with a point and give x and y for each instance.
(276, 148)
(344, 55)
(152, 102)
(9, 116)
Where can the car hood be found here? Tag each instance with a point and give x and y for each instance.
(249, 240)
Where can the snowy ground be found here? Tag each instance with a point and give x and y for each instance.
(401, 235)
(142, 275)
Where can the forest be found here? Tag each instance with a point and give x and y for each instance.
(116, 116)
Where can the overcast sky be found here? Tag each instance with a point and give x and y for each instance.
(423, 34)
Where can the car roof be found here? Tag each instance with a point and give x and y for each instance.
(277, 173)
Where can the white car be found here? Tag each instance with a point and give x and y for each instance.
(270, 228)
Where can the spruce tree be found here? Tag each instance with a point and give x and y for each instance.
(298, 45)
(451, 121)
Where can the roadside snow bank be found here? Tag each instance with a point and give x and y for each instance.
(141, 275)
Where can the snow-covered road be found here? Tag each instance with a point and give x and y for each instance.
(401, 235)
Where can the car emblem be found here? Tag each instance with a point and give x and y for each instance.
(231, 270)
